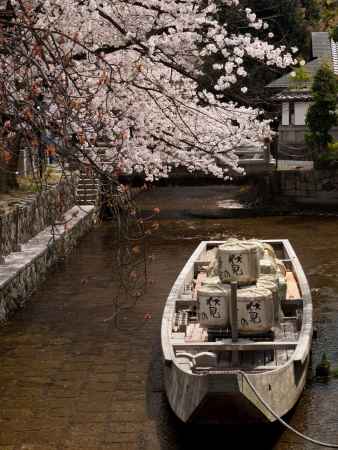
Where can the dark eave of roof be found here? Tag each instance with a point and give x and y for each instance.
(289, 95)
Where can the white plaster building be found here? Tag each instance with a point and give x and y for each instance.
(295, 98)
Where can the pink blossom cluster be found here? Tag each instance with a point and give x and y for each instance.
(127, 72)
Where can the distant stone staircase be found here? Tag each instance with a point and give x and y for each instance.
(87, 192)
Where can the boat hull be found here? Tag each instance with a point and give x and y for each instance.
(227, 398)
(236, 394)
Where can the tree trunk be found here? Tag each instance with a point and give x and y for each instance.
(9, 161)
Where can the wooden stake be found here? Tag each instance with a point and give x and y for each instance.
(234, 322)
(234, 314)
(275, 306)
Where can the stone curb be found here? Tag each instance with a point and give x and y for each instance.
(23, 271)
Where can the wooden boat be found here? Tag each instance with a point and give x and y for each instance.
(235, 378)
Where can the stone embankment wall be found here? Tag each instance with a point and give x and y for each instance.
(23, 271)
(317, 186)
(34, 214)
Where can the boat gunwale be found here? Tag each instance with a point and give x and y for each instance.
(304, 340)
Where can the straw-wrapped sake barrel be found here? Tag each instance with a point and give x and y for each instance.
(264, 248)
(238, 261)
(255, 310)
(214, 280)
(213, 306)
(270, 282)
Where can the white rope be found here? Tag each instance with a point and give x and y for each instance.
(298, 433)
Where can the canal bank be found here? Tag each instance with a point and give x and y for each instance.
(38, 229)
(72, 380)
(23, 217)
(22, 271)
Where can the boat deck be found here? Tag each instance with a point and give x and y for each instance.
(196, 349)
(247, 360)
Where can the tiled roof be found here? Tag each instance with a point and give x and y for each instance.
(283, 82)
(323, 49)
(301, 96)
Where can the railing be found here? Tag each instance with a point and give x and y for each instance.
(254, 154)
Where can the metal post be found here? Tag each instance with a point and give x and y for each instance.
(266, 153)
(234, 322)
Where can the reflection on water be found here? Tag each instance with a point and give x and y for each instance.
(69, 380)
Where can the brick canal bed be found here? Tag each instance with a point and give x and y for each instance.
(70, 380)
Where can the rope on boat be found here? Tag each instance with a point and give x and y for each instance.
(286, 425)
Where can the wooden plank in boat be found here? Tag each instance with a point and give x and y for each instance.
(238, 346)
(292, 291)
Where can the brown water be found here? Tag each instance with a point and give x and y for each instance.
(69, 380)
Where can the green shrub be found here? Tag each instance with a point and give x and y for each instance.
(300, 79)
(333, 146)
(328, 159)
(322, 116)
(334, 34)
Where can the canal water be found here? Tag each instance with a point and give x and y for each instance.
(70, 379)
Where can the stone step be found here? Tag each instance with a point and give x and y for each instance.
(80, 202)
(85, 189)
(88, 185)
(87, 197)
(88, 175)
(88, 181)
(85, 202)
(86, 194)
(85, 175)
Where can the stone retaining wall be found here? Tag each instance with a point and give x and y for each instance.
(308, 182)
(315, 186)
(23, 271)
(34, 214)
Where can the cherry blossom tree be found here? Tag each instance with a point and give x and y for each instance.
(126, 73)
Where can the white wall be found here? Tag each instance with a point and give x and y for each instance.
(301, 109)
(285, 114)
